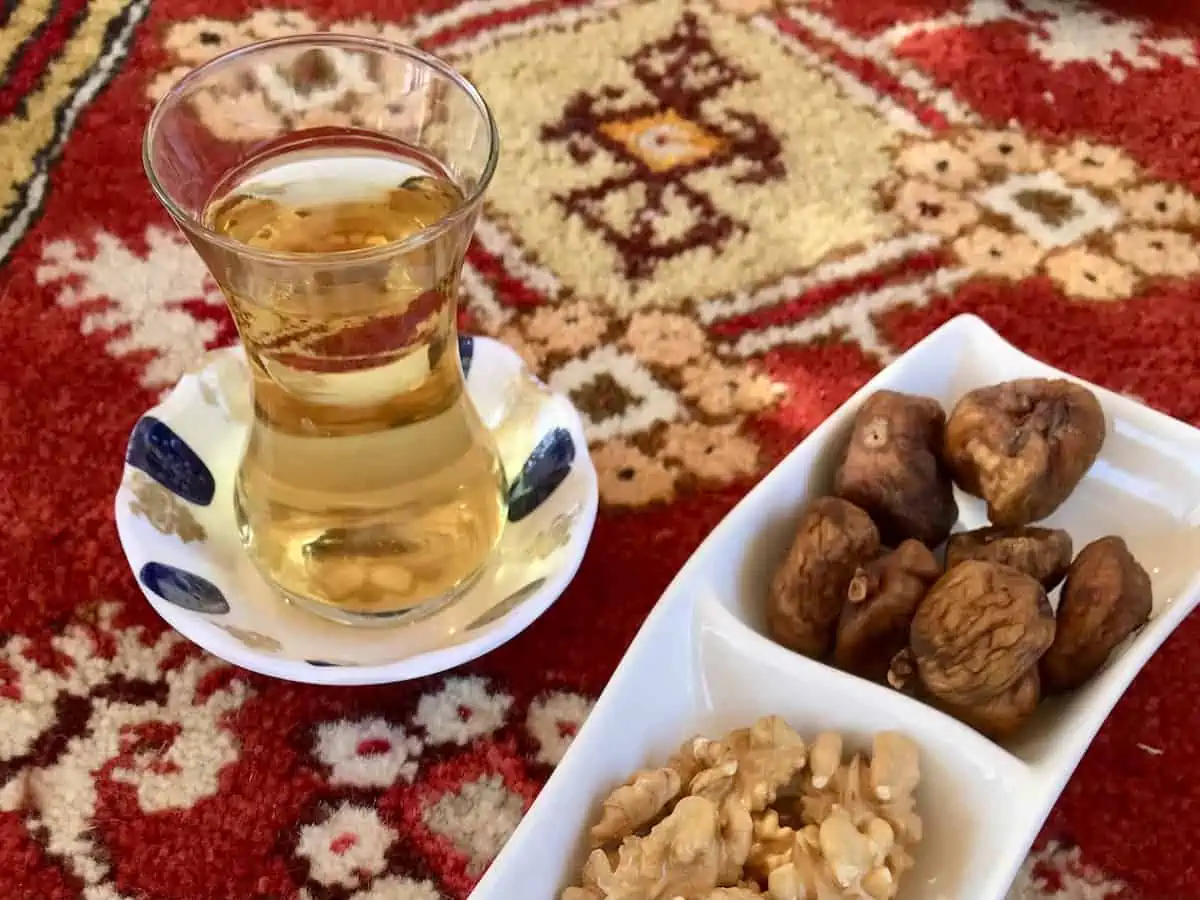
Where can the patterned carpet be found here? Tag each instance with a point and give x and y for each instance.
(711, 223)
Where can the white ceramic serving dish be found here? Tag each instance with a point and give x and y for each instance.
(175, 518)
(702, 662)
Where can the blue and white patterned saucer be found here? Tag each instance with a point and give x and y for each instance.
(175, 517)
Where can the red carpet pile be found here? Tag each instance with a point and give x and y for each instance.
(713, 220)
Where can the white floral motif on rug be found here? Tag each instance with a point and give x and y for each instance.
(171, 751)
(138, 301)
(1062, 32)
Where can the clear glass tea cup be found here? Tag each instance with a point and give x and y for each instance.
(331, 184)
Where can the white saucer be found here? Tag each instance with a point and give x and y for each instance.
(175, 518)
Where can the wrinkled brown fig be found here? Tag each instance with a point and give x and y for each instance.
(978, 631)
(1003, 714)
(880, 603)
(1106, 598)
(893, 468)
(1041, 553)
(1023, 446)
(809, 588)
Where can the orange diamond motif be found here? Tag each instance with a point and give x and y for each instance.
(663, 141)
(678, 158)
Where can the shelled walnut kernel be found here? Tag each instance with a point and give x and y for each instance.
(761, 814)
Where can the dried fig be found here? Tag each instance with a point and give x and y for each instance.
(893, 468)
(978, 630)
(1106, 598)
(1041, 553)
(807, 593)
(881, 600)
(1003, 714)
(1023, 446)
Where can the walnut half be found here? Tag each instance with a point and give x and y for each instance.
(844, 828)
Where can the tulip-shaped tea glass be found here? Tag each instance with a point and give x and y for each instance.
(331, 184)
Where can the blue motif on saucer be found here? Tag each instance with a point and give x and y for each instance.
(466, 352)
(165, 456)
(545, 470)
(183, 589)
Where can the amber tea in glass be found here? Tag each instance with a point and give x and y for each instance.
(335, 219)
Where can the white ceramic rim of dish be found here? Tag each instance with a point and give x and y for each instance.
(1045, 780)
(215, 640)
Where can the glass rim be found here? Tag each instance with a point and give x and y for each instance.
(325, 38)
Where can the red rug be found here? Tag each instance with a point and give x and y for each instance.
(729, 216)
